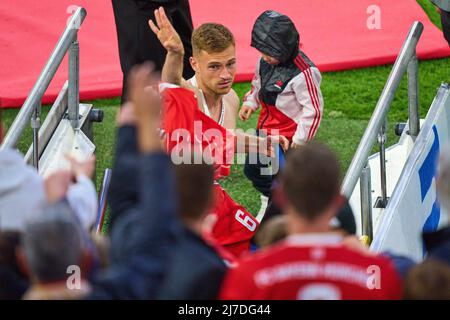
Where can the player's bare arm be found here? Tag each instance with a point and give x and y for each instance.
(251, 143)
(231, 103)
(173, 66)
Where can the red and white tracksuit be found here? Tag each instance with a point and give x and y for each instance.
(290, 97)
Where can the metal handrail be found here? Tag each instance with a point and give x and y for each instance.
(405, 60)
(102, 203)
(32, 103)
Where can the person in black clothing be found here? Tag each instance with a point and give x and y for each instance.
(154, 253)
(195, 270)
(13, 282)
(137, 42)
(445, 19)
(143, 222)
(429, 280)
(444, 10)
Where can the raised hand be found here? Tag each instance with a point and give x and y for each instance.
(125, 116)
(166, 33)
(85, 168)
(143, 93)
(56, 185)
(146, 102)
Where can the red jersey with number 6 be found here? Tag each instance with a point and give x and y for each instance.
(188, 130)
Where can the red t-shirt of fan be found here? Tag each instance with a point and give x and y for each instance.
(312, 267)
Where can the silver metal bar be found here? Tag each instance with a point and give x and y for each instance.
(66, 140)
(413, 97)
(381, 109)
(391, 217)
(36, 125)
(382, 141)
(102, 200)
(50, 123)
(74, 98)
(20, 122)
(366, 202)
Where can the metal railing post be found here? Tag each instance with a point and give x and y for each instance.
(36, 125)
(381, 109)
(382, 141)
(102, 200)
(74, 98)
(413, 97)
(366, 203)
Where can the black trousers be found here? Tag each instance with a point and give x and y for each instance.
(254, 169)
(445, 19)
(265, 183)
(138, 43)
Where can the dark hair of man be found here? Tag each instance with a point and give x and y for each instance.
(311, 179)
(9, 242)
(195, 190)
(429, 280)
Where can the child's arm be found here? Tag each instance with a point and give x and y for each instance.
(307, 91)
(251, 101)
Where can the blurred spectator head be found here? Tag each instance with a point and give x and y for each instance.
(195, 190)
(345, 219)
(310, 183)
(9, 243)
(271, 232)
(53, 240)
(429, 280)
(443, 179)
(13, 282)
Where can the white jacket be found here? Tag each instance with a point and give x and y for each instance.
(290, 97)
(22, 193)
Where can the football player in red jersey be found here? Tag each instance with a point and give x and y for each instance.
(313, 262)
(235, 226)
(209, 100)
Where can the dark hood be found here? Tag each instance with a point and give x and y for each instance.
(275, 35)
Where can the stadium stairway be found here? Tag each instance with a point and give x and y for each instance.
(410, 184)
(392, 193)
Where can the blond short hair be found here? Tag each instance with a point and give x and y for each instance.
(212, 38)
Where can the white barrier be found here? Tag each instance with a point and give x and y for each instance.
(413, 207)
